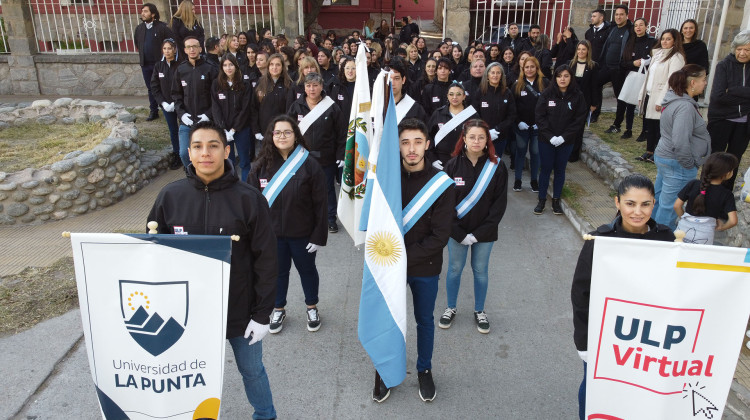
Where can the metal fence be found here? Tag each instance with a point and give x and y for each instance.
(99, 26)
(491, 17)
(4, 47)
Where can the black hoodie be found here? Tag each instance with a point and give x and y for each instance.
(730, 94)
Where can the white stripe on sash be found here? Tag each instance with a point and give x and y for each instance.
(453, 123)
(289, 168)
(403, 107)
(425, 198)
(479, 187)
(315, 113)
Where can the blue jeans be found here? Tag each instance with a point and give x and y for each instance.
(480, 260)
(582, 396)
(671, 177)
(331, 172)
(250, 364)
(147, 71)
(424, 292)
(294, 249)
(553, 158)
(246, 151)
(527, 140)
(171, 118)
(184, 135)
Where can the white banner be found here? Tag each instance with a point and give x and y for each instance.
(666, 323)
(154, 310)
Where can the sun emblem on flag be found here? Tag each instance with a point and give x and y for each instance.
(383, 248)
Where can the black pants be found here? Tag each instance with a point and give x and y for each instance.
(652, 129)
(624, 111)
(617, 77)
(730, 137)
(148, 70)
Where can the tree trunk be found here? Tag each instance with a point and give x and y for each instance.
(311, 17)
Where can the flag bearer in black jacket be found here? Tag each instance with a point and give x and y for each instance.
(325, 134)
(635, 202)
(446, 123)
(273, 95)
(294, 185)
(161, 87)
(560, 114)
(191, 91)
(149, 36)
(425, 236)
(211, 200)
(230, 109)
(495, 104)
(481, 198)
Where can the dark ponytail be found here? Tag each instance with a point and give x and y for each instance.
(717, 165)
(679, 80)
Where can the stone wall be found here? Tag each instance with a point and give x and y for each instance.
(92, 74)
(83, 180)
(5, 85)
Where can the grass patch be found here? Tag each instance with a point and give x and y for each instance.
(152, 135)
(628, 148)
(573, 194)
(35, 145)
(37, 294)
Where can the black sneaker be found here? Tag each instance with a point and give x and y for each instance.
(517, 185)
(534, 186)
(483, 324)
(333, 227)
(446, 320)
(175, 161)
(277, 321)
(556, 207)
(153, 116)
(380, 392)
(641, 137)
(539, 209)
(628, 134)
(313, 319)
(426, 386)
(613, 129)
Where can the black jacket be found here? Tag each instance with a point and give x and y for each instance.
(250, 75)
(326, 137)
(415, 70)
(445, 148)
(564, 51)
(526, 100)
(587, 84)
(730, 95)
(191, 89)
(416, 111)
(213, 60)
(181, 32)
(581, 289)
(639, 47)
(160, 32)
(342, 93)
(300, 210)
(275, 102)
(544, 56)
(227, 206)
(697, 53)
(162, 79)
(434, 95)
(483, 218)
(231, 109)
(471, 87)
(561, 114)
(612, 41)
(519, 44)
(597, 39)
(426, 239)
(329, 74)
(497, 109)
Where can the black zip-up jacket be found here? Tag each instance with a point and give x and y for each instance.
(471, 87)
(213, 60)
(696, 52)
(191, 89)
(587, 83)
(444, 149)
(526, 101)
(426, 239)
(483, 218)
(181, 32)
(497, 109)
(162, 79)
(326, 137)
(250, 75)
(342, 93)
(434, 95)
(231, 109)
(227, 207)
(641, 49)
(730, 95)
(161, 32)
(415, 70)
(329, 74)
(275, 102)
(544, 56)
(564, 51)
(581, 289)
(510, 72)
(519, 44)
(300, 210)
(561, 114)
(597, 39)
(625, 33)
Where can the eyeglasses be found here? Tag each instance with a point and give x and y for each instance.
(192, 47)
(282, 134)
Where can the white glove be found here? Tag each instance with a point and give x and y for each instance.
(202, 118)
(186, 120)
(230, 135)
(311, 247)
(256, 331)
(259, 137)
(523, 126)
(556, 141)
(584, 355)
(472, 238)
(467, 240)
(340, 163)
(438, 164)
(494, 134)
(535, 127)
(167, 107)
(645, 61)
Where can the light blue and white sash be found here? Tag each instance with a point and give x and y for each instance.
(287, 170)
(453, 123)
(425, 198)
(480, 186)
(403, 107)
(315, 113)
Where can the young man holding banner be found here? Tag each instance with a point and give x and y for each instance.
(213, 201)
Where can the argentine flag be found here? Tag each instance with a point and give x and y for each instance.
(382, 305)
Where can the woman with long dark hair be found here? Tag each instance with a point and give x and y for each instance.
(586, 71)
(250, 71)
(696, 51)
(297, 203)
(636, 54)
(273, 95)
(508, 61)
(161, 88)
(481, 199)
